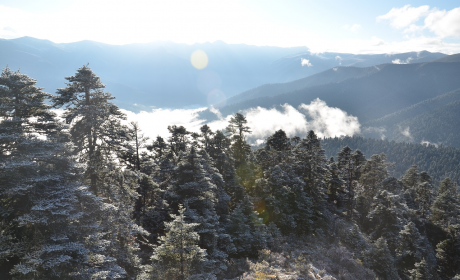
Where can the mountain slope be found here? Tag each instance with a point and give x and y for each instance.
(389, 89)
(334, 75)
(433, 120)
(439, 162)
(153, 74)
(160, 74)
(289, 66)
(449, 58)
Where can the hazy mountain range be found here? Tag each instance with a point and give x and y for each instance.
(160, 74)
(412, 97)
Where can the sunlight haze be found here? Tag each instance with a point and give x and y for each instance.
(351, 26)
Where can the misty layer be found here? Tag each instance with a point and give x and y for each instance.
(324, 120)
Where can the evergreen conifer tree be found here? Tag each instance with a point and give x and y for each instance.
(194, 188)
(445, 209)
(178, 254)
(96, 130)
(381, 261)
(421, 271)
(49, 222)
(409, 249)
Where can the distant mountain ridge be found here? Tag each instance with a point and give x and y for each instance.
(449, 58)
(435, 120)
(160, 74)
(368, 93)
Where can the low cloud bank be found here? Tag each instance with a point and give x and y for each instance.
(324, 120)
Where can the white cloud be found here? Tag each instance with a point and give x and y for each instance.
(264, 122)
(376, 45)
(340, 61)
(353, 28)
(403, 17)
(399, 61)
(441, 22)
(305, 62)
(329, 121)
(317, 116)
(156, 122)
(374, 132)
(444, 23)
(428, 143)
(406, 133)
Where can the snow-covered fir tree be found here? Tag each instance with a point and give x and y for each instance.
(49, 225)
(179, 255)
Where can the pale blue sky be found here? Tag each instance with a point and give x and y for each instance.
(328, 25)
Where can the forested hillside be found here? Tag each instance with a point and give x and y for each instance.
(83, 196)
(440, 162)
(429, 121)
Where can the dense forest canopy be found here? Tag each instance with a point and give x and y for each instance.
(85, 196)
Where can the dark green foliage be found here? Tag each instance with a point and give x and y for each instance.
(409, 249)
(286, 202)
(374, 171)
(96, 130)
(336, 192)
(383, 216)
(49, 227)
(240, 148)
(178, 254)
(381, 261)
(278, 141)
(448, 253)
(350, 165)
(421, 271)
(238, 203)
(247, 230)
(439, 162)
(445, 209)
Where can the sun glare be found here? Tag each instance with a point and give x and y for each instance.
(199, 59)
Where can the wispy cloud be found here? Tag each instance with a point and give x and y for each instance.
(442, 23)
(353, 28)
(324, 120)
(403, 17)
(399, 61)
(428, 143)
(406, 132)
(305, 62)
(375, 132)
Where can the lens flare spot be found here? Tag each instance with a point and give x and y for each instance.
(217, 99)
(199, 59)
